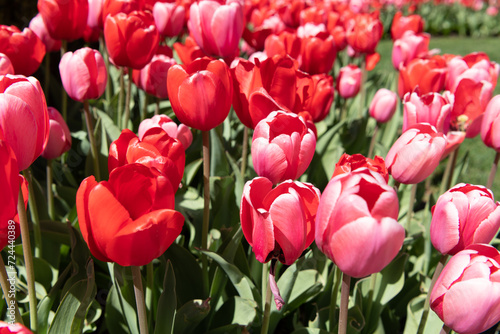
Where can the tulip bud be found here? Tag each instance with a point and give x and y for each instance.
(349, 81)
(415, 155)
(59, 136)
(383, 105)
(169, 18)
(429, 108)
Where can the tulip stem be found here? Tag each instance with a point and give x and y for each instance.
(425, 312)
(4, 281)
(93, 145)
(64, 95)
(120, 99)
(445, 329)
(362, 90)
(409, 214)
(149, 289)
(157, 106)
(144, 112)
(267, 308)
(244, 153)
(344, 303)
(50, 193)
(372, 142)
(34, 214)
(333, 301)
(139, 299)
(206, 204)
(127, 100)
(493, 171)
(28, 260)
(104, 51)
(46, 83)
(448, 172)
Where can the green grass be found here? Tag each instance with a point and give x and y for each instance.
(479, 157)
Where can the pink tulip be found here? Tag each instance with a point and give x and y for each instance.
(152, 78)
(466, 295)
(169, 18)
(59, 136)
(5, 65)
(217, 28)
(415, 155)
(40, 29)
(180, 132)
(475, 66)
(490, 127)
(282, 146)
(83, 74)
(464, 215)
(94, 19)
(383, 105)
(356, 223)
(409, 47)
(24, 119)
(349, 81)
(429, 108)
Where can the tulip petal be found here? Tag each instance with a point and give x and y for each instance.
(269, 160)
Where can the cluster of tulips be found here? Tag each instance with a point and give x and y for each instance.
(274, 64)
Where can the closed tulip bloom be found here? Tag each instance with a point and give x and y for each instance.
(383, 105)
(356, 222)
(24, 49)
(64, 19)
(317, 53)
(428, 74)
(156, 149)
(430, 108)
(130, 218)
(24, 119)
(169, 18)
(282, 147)
(131, 39)
(83, 74)
(5, 65)
(278, 223)
(200, 93)
(40, 29)
(363, 32)
(464, 215)
(402, 24)
(416, 153)
(180, 132)
(217, 28)
(348, 163)
(59, 136)
(409, 47)
(490, 127)
(466, 296)
(314, 94)
(152, 78)
(349, 81)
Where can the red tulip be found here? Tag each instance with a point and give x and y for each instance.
(64, 19)
(401, 24)
(363, 32)
(180, 132)
(5, 65)
(169, 18)
(314, 94)
(59, 136)
(8, 328)
(356, 223)
(490, 130)
(348, 163)
(9, 182)
(95, 19)
(156, 149)
(349, 81)
(464, 215)
(83, 74)
(217, 28)
(24, 119)
(383, 105)
(466, 295)
(289, 12)
(317, 53)
(24, 49)
(130, 218)
(282, 147)
(429, 108)
(40, 29)
(285, 43)
(200, 93)
(278, 223)
(428, 74)
(131, 39)
(113, 7)
(415, 154)
(188, 51)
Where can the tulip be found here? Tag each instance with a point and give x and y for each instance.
(317, 53)
(409, 47)
(16, 328)
(189, 51)
(383, 105)
(402, 24)
(113, 7)
(289, 12)
(24, 49)
(64, 19)
(83, 74)
(348, 163)
(282, 147)
(464, 215)
(217, 28)
(130, 218)
(278, 223)
(156, 149)
(285, 43)
(356, 223)
(475, 66)
(152, 78)
(5, 65)
(428, 74)
(131, 39)
(24, 119)
(490, 131)
(180, 132)
(9, 182)
(200, 93)
(363, 32)
(314, 94)
(40, 29)
(59, 135)
(430, 108)
(416, 153)
(94, 19)
(169, 18)
(349, 81)
(466, 295)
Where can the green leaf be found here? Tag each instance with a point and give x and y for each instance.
(414, 311)
(109, 125)
(218, 163)
(190, 315)
(307, 330)
(191, 169)
(307, 285)
(236, 310)
(167, 304)
(239, 180)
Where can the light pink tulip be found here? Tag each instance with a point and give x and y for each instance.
(416, 153)
(464, 215)
(180, 132)
(169, 18)
(383, 105)
(282, 146)
(490, 127)
(152, 78)
(216, 28)
(409, 47)
(349, 81)
(59, 136)
(40, 29)
(5, 65)
(475, 66)
(356, 222)
(83, 74)
(429, 108)
(466, 295)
